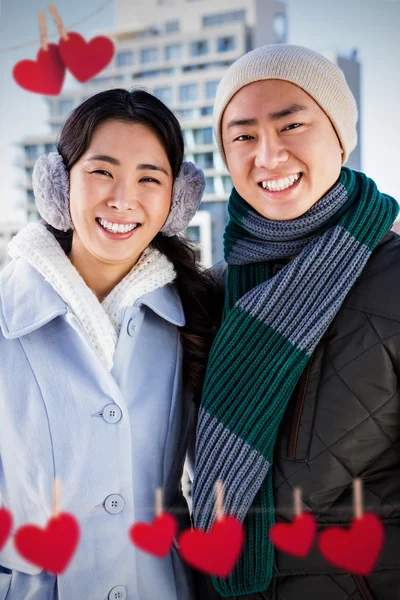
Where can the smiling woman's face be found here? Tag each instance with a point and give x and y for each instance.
(120, 195)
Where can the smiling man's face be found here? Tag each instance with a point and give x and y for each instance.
(282, 151)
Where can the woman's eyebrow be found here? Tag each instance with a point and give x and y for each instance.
(115, 161)
(105, 158)
(146, 167)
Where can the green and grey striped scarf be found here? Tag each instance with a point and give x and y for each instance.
(270, 327)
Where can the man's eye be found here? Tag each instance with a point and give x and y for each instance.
(243, 138)
(102, 172)
(292, 126)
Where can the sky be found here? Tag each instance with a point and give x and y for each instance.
(370, 26)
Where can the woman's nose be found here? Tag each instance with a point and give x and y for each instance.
(123, 199)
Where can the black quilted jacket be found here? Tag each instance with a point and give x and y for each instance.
(342, 422)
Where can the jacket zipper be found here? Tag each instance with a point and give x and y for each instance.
(363, 587)
(294, 432)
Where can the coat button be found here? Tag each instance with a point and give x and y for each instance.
(114, 504)
(131, 327)
(117, 593)
(112, 413)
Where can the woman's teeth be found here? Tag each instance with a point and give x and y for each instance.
(117, 227)
(278, 185)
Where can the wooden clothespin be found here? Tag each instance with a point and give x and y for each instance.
(58, 21)
(43, 32)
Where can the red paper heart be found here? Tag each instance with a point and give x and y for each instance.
(295, 538)
(217, 551)
(155, 538)
(86, 59)
(356, 549)
(51, 548)
(5, 526)
(43, 76)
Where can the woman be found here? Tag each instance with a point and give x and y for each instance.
(104, 335)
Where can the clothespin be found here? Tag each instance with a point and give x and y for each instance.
(58, 21)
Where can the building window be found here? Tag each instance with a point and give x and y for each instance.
(164, 94)
(204, 160)
(227, 184)
(31, 197)
(124, 59)
(173, 52)
(211, 89)
(29, 171)
(197, 67)
(171, 26)
(32, 152)
(199, 47)
(148, 55)
(193, 233)
(65, 107)
(206, 111)
(203, 135)
(225, 44)
(221, 18)
(281, 27)
(143, 74)
(189, 92)
(50, 148)
(209, 189)
(186, 113)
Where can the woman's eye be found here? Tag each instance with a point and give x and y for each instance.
(102, 172)
(292, 126)
(151, 179)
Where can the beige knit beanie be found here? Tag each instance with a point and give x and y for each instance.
(312, 72)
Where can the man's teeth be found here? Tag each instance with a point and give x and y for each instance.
(117, 227)
(278, 185)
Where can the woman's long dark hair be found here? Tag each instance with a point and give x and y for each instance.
(197, 289)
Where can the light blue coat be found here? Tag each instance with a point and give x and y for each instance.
(54, 391)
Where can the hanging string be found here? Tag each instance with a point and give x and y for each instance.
(55, 35)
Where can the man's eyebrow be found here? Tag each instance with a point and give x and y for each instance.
(150, 167)
(241, 123)
(275, 116)
(285, 112)
(105, 158)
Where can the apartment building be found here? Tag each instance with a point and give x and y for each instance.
(179, 50)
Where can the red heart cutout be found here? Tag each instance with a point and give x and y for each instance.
(51, 548)
(5, 525)
(43, 76)
(156, 537)
(295, 538)
(86, 59)
(217, 551)
(355, 549)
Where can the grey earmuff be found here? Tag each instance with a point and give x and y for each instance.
(51, 189)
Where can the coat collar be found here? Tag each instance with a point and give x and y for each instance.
(27, 301)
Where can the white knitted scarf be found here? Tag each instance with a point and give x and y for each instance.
(101, 320)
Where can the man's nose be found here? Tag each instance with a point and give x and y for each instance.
(270, 152)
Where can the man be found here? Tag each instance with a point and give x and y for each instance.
(302, 382)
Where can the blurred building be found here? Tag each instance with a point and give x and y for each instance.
(179, 50)
(7, 231)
